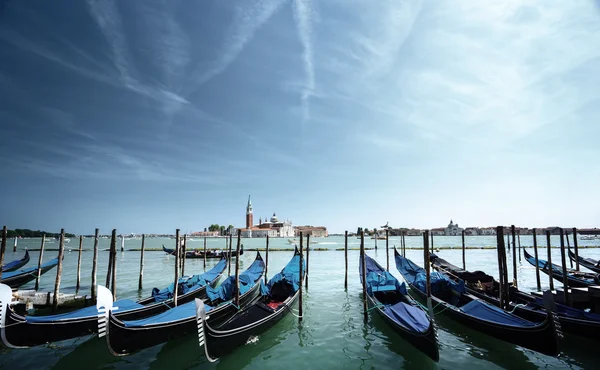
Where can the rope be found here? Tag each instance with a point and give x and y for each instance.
(516, 306)
(233, 304)
(289, 308)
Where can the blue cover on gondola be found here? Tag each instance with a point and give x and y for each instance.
(410, 316)
(29, 270)
(122, 304)
(186, 285)
(416, 276)
(225, 291)
(567, 311)
(486, 311)
(290, 274)
(185, 311)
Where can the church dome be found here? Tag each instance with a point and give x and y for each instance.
(274, 219)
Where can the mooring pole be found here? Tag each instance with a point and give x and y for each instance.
(114, 264)
(237, 271)
(403, 243)
(387, 249)
(205, 254)
(568, 246)
(61, 249)
(15, 245)
(300, 282)
(508, 240)
(514, 237)
(109, 268)
(463, 250)
(576, 250)
(266, 258)
(519, 242)
(183, 255)
(346, 260)
(363, 273)
(142, 262)
(500, 250)
(431, 241)
(375, 234)
(3, 250)
(549, 263)
(427, 269)
(122, 243)
(229, 255)
(78, 285)
(564, 268)
(39, 269)
(307, 260)
(537, 268)
(176, 283)
(94, 265)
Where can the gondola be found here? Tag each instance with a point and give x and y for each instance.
(209, 253)
(478, 314)
(391, 300)
(26, 331)
(277, 299)
(12, 266)
(127, 337)
(576, 279)
(585, 262)
(16, 278)
(525, 305)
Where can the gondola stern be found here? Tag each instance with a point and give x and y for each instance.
(5, 299)
(104, 304)
(550, 306)
(201, 318)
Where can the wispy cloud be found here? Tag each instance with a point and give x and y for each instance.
(302, 14)
(108, 18)
(248, 18)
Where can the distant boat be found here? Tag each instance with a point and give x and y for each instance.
(57, 238)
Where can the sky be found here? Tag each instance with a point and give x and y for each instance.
(147, 116)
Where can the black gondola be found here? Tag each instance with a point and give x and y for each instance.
(577, 279)
(127, 337)
(588, 263)
(277, 299)
(196, 253)
(478, 314)
(17, 264)
(16, 278)
(19, 331)
(391, 300)
(527, 306)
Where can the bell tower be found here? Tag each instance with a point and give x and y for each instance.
(249, 214)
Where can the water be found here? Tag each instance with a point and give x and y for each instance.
(333, 333)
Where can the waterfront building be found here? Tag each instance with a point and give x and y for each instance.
(316, 231)
(271, 227)
(453, 229)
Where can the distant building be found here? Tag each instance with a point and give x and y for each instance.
(316, 231)
(453, 229)
(205, 233)
(272, 228)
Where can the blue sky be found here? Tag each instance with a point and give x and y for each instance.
(148, 116)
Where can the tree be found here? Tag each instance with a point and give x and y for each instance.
(222, 230)
(359, 231)
(366, 231)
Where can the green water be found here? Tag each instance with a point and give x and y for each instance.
(333, 333)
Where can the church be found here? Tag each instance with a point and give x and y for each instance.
(271, 227)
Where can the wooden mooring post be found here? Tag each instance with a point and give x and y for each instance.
(346, 260)
(514, 237)
(307, 261)
(183, 254)
(375, 233)
(39, 269)
(427, 266)
(2, 249)
(300, 272)
(502, 267)
(110, 259)
(537, 267)
(229, 256)
(94, 266)
(363, 270)
(568, 247)
(61, 250)
(266, 258)
(113, 284)
(122, 243)
(564, 267)
(431, 250)
(387, 249)
(176, 283)
(204, 254)
(140, 282)
(519, 242)
(78, 284)
(237, 271)
(463, 250)
(403, 243)
(15, 245)
(576, 249)
(549, 268)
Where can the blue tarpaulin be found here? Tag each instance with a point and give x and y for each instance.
(416, 276)
(122, 304)
(289, 274)
(488, 312)
(185, 311)
(225, 291)
(410, 316)
(186, 285)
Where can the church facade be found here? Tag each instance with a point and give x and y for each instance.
(269, 227)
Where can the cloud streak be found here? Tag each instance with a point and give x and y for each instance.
(302, 15)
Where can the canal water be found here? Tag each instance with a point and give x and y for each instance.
(333, 334)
